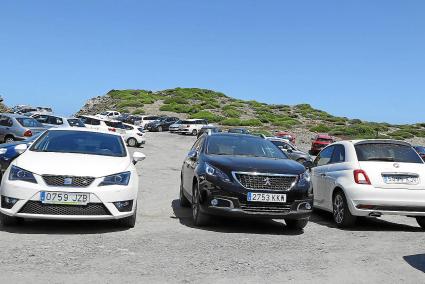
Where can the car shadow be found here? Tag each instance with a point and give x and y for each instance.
(417, 261)
(324, 218)
(61, 227)
(233, 225)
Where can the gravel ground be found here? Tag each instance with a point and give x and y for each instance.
(165, 247)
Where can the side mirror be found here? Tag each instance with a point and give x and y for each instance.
(21, 148)
(290, 150)
(308, 164)
(192, 155)
(138, 156)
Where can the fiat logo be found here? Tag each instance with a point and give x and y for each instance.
(396, 165)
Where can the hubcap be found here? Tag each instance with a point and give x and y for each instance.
(338, 209)
(195, 206)
(132, 143)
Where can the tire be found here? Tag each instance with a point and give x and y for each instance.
(7, 220)
(129, 222)
(132, 142)
(421, 222)
(297, 224)
(9, 139)
(160, 129)
(184, 202)
(301, 160)
(341, 213)
(195, 132)
(200, 219)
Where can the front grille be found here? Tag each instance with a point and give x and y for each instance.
(266, 207)
(36, 207)
(68, 181)
(266, 181)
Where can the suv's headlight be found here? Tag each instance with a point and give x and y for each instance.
(304, 178)
(17, 173)
(117, 179)
(213, 171)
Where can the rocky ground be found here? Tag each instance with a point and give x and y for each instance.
(165, 247)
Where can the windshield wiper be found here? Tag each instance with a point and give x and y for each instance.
(386, 159)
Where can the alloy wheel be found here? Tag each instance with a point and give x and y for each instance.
(338, 209)
(195, 204)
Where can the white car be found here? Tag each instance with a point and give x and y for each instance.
(58, 121)
(100, 124)
(148, 119)
(192, 126)
(110, 114)
(174, 128)
(72, 174)
(369, 178)
(133, 136)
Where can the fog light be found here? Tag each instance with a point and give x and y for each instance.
(308, 206)
(214, 202)
(8, 202)
(124, 206)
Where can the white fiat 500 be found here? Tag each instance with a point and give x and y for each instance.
(369, 178)
(74, 175)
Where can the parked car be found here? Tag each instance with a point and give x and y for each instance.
(130, 119)
(239, 130)
(162, 124)
(319, 142)
(133, 136)
(15, 127)
(192, 126)
(286, 135)
(45, 183)
(110, 114)
(174, 128)
(58, 121)
(100, 124)
(421, 151)
(369, 178)
(148, 119)
(209, 129)
(243, 175)
(290, 150)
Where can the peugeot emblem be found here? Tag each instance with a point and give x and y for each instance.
(67, 181)
(267, 181)
(396, 165)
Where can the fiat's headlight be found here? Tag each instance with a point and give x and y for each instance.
(117, 179)
(17, 173)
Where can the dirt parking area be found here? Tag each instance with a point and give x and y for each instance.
(165, 247)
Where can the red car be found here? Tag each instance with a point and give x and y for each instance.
(285, 135)
(319, 142)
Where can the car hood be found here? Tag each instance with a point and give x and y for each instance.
(71, 164)
(250, 164)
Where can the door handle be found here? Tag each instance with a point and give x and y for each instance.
(323, 175)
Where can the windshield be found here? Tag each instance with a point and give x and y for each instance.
(386, 152)
(243, 146)
(420, 149)
(75, 122)
(29, 122)
(80, 142)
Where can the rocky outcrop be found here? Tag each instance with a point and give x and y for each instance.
(3, 107)
(97, 105)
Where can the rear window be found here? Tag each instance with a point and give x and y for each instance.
(74, 122)
(386, 152)
(324, 140)
(115, 124)
(29, 122)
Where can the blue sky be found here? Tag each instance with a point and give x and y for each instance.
(361, 59)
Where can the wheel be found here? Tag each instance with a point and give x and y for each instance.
(9, 139)
(184, 202)
(129, 222)
(200, 219)
(160, 129)
(421, 222)
(194, 132)
(296, 223)
(301, 160)
(341, 213)
(132, 142)
(7, 220)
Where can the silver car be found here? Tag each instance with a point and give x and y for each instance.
(16, 127)
(58, 121)
(290, 150)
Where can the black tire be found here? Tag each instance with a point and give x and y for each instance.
(421, 222)
(184, 202)
(129, 222)
(132, 142)
(9, 139)
(195, 132)
(297, 224)
(200, 219)
(7, 220)
(341, 213)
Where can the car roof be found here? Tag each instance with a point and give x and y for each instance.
(227, 134)
(324, 136)
(382, 141)
(82, 130)
(15, 115)
(99, 118)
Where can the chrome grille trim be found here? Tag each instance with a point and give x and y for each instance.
(59, 181)
(287, 181)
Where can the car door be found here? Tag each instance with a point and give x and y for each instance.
(190, 163)
(318, 174)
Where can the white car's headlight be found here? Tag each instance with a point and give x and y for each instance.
(17, 173)
(117, 179)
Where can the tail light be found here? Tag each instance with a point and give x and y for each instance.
(360, 177)
(112, 129)
(28, 133)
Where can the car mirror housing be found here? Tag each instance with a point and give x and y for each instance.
(192, 155)
(21, 148)
(138, 156)
(308, 164)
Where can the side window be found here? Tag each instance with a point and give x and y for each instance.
(95, 122)
(338, 155)
(3, 120)
(324, 157)
(198, 144)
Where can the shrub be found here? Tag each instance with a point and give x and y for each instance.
(138, 111)
(239, 122)
(180, 108)
(130, 103)
(231, 112)
(175, 100)
(401, 134)
(208, 116)
(322, 128)
(355, 131)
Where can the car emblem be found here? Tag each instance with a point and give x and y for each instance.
(67, 181)
(267, 181)
(396, 165)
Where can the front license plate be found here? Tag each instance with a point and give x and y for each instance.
(65, 198)
(266, 197)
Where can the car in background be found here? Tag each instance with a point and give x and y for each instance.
(133, 136)
(209, 129)
(192, 126)
(290, 150)
(286, 135)
(162, 124)
(72, 174)
(148, 119)
(374, 177)
(58, 121)
(319, 142)
(100, 124)
(109, 114)
(16, 127)
(130, 119)
(239, 130)
(174, 128)
(243, 175)
(421, 151)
